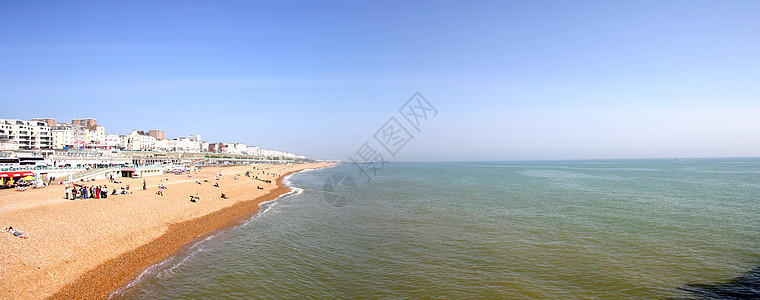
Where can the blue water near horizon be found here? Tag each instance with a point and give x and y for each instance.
(531, 229)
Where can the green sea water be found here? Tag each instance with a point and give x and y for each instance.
(622, 229)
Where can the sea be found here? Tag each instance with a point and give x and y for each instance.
(586, 229)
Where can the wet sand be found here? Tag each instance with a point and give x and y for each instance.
(89, 248)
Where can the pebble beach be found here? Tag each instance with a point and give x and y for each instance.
(87, 248)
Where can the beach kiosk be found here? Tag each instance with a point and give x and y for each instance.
(10, 179)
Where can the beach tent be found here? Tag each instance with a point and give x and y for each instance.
(10, 177)
(16, 174)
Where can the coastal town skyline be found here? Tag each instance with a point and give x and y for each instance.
(85, 133)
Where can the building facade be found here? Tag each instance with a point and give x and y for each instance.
(140, 141)
(24, 135)
(157, 134)
(113, 141)
(63, 136)
(87, 123)
(50, 122)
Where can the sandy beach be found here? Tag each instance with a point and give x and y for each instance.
(88, 248)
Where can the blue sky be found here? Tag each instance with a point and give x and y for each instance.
(511, 80)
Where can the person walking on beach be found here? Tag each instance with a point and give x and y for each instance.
(145, 187)
(66, 190)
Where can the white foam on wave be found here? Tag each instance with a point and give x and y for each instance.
(266, 206)
(194, 249)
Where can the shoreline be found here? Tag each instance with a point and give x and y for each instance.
(118, 272)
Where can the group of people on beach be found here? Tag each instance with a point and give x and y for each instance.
(92, 192)
(85, 192)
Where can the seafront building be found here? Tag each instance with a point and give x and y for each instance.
(87, 123)
(50, 122)
(63, 136)
(72, 149)
(70, 136)
(36, 134)
(182, 144)
(140, 141)
(157, 134)
(24, 135)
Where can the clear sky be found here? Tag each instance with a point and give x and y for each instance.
(510, 80)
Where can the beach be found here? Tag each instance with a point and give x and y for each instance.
(87, 248)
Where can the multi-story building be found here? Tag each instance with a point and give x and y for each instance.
(140, 141)
(123, 142)
(164, 145)
(157, 134)
(87, 123)
(81, 136)
(276, 153)
(240, 148)
(6, 142)
(113, 141)
(97, 135)
(217, 148)
(50, 122)
(24, 135)
(253, 150)
(233, 148)
(186, 145)
(77, 136)
(63, 136)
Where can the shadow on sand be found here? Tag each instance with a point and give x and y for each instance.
(746, 286)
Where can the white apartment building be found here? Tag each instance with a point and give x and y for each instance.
(113, 141)
(24, 135)
(98, 135)
(63, 135)
(178, 145)
(235, 148)
(6, 143)
(164, 145)
(253, 150)
(240, 148)
(81, 136)
(123, 142)
(140, 141)
(74, 136)
(189, 145)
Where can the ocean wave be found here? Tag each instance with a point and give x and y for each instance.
(192, 250)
